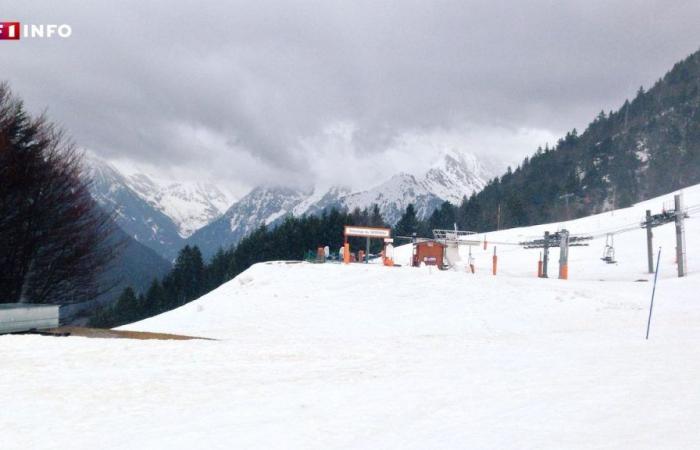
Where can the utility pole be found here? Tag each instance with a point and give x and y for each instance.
(545, 254)
(650, 250)
(680, 236)
(564, 255)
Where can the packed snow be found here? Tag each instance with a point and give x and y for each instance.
(319, 356)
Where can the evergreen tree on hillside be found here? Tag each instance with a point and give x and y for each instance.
(186, 281)
(127, 306)
(155, 299)
(376, 219)
(408, 224)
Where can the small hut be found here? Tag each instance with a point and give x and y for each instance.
(429, 252)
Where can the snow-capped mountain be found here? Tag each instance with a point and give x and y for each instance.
(453, 176)
(319, 200)
(262, 206)
(138, 218)
(159, 213)
(191, 205)
(393, 196)
(166, 215)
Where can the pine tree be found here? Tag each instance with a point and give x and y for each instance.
(408, 224)
(127, 306)
(155, 299)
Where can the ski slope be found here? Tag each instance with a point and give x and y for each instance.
(364, 356)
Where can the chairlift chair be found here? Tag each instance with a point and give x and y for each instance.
(609, 250)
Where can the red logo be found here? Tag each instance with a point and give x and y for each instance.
(9, 30)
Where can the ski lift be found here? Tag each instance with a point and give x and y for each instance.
(609, 250)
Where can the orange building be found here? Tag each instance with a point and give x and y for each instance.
(430, 253)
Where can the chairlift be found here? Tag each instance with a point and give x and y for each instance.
(609, 250)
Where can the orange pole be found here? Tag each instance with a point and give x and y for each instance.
(346, 253)
(564, 272)
(495, 264)
(539, 269)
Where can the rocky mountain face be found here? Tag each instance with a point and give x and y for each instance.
(157, 213)
(262, 206)
(190, 205)
(134, 215)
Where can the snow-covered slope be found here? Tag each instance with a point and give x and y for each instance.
(191, 205)
(320, 356)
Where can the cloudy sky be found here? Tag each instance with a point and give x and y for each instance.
(244, 93)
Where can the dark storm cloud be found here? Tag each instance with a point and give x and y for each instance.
(234, 89)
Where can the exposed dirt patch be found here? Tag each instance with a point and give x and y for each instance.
(113, 334)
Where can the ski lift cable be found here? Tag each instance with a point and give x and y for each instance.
(693, 212)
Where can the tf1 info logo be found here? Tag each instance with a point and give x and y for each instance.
(13, 31)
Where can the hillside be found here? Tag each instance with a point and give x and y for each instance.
(649, 146)
(135, 266)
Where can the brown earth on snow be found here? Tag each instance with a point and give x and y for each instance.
(113, 334)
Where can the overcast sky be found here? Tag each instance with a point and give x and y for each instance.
(244, 93)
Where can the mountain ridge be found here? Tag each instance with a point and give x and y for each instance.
(454, 175)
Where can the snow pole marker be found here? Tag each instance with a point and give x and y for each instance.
(495, 261)
(653, 291)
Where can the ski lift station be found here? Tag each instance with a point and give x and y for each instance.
(18, 317)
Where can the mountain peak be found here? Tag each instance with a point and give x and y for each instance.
(189, 204)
